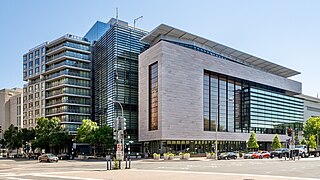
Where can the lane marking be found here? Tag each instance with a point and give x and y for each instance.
(64, 177)
(227, 174)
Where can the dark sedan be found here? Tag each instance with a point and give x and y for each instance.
(227, 156)
(64, 156)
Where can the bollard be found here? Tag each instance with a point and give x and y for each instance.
(120, 164)
(107, 164)
(129, 163)
(111, 164)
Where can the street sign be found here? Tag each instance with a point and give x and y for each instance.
(119, 155)
(119, 147)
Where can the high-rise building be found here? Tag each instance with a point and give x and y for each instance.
(34, 89)
(190, 87)
(115, 75)
(10, 108)
(58, 75)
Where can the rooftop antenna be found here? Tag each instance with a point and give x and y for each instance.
(117, 14)
(135, 20)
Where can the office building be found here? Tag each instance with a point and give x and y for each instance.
(311, 106)
(115, 75)
(58, 76)
(34, 89)
(189, 86)
(10, 108)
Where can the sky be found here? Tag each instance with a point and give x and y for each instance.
(285, 32)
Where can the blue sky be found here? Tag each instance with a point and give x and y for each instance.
(285, 32)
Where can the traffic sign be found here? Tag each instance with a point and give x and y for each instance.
(119, 147)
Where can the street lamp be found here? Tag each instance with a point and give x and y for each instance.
(123, 127)
(216, 142)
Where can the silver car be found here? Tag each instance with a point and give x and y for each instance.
(48, 158)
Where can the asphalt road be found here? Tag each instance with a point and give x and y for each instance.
(250, 169)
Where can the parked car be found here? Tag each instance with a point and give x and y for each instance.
(48, 158)
(264, 154)
(251, 155)
(64, 156)
(227, 156)
(302, 150)
(280, 152)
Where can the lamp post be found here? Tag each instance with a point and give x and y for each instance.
(121, 141)
(217, 119)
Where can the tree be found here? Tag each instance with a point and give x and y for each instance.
(303, 142)
(12, 138)
(50, 135)
(311, 127)
(86, 133)
(253, 142)
(104, 136)
(312, 141)
(276, 142)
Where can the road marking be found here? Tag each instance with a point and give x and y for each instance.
(227, 174)
(17, 178)
(63, 177)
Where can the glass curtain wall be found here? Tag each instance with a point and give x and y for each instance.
(254, 107)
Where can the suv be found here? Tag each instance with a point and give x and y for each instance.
(280, 152)
(303, 150)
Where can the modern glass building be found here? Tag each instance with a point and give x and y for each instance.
(67, 81)
(190, 86)
(115, 75)
(58, 75)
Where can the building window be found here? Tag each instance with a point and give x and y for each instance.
(42, 68)
(24, 66)
(30, 72)
(37, 62)
(25, 74)
(153, 97)
(24, 58)
(36, 71)
(43, 50)
(42, 60)
(37, 53)
(31, 64)
(30, 56)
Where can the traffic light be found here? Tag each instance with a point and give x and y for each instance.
(289, 131)
(123, 123)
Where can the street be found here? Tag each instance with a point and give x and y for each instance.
(146, 169)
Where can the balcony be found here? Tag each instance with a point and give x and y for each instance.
(66, 83)
(55, 66)
(74, 102)
(64, 91)
(63, 73)
(63, 111)
(70, 45)
(69, 54)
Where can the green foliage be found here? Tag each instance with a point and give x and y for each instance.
(303, 142)
(12, 138)
(90, 132)
(312, 141)
(311, 127)
(115, 164)
(276, 142)
(50, 134)
(86, 131)
(104, 137)
(253, 142)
